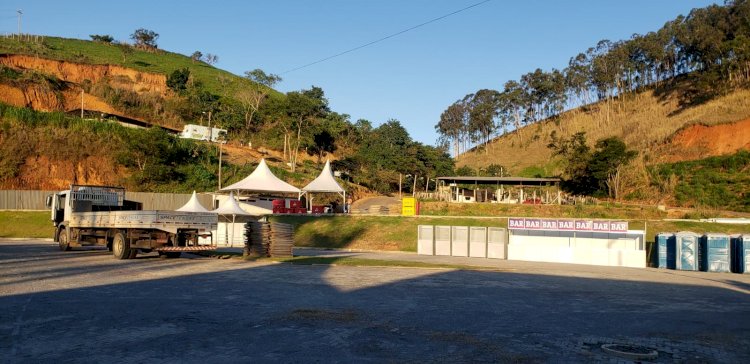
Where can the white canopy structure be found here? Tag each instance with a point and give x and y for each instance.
(230, 207)
(193, 205)
(262, 180)
(325, 183)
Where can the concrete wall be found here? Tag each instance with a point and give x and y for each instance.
(34, 200)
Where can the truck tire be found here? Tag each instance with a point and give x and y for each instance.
(120, 246)
(62, 239)
(133, 253)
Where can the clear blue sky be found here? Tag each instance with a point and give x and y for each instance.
(412, 77)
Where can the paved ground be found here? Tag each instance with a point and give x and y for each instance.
(85, 306)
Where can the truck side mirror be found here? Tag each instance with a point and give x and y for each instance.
(48, 201)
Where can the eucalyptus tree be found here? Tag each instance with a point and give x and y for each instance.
(253, 95)
(452, 125)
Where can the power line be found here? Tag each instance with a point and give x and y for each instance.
(385, 38)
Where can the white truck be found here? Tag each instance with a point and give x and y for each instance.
(100, 215)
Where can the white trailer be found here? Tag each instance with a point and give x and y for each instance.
(199, 132)
(100, 215)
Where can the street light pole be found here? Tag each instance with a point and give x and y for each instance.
(20, 12)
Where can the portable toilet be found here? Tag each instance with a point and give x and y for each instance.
(682, 251)
(714, 253)
(660, 243)
(741, 253)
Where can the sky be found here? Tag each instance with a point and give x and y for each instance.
(412, 77)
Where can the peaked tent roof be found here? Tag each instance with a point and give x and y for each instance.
(193, 205)
(230, 207)
(263, 180)
(325, 181)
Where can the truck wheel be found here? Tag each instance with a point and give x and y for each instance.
(62, 239)
(133, 253)
(120, 247)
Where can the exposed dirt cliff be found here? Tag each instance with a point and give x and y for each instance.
(40, 172)
(78, 73)
(701, 141)
(39, 98)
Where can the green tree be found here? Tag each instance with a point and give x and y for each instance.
(178, 79)
(197, 56)
(483, 108)
(606, 164)
(303, 108)
(253, 96)
(452, 125)
(575, 154)
(105, 38)
(145, 39)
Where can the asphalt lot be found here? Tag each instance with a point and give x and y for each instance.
(85, 306)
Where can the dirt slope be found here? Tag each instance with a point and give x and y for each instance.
(701, 141)
(78, 73)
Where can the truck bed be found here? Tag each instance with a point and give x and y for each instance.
(169, 221)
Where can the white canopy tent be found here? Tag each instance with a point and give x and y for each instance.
(262, 180)
(193, 205)
(230, 207)
(324, 183)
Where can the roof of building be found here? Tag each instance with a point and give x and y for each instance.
(498, 180)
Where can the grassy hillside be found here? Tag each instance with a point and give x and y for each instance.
(215, 80)
(716, 182)
(644, 122)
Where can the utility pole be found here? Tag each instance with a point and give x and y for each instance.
(20, 12)
(210, 131)
(81, 104)
(219, 164)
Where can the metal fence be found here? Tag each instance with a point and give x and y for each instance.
(34, 200)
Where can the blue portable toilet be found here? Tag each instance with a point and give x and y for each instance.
(714, 253)
(661, 241)
(682, 252)
(741, 253)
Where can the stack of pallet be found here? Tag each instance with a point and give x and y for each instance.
(266, 239)
(282, 240)
(256, 239)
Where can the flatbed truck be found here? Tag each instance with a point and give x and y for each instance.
(99, 215)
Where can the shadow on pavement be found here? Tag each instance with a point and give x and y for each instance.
(181, 311)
